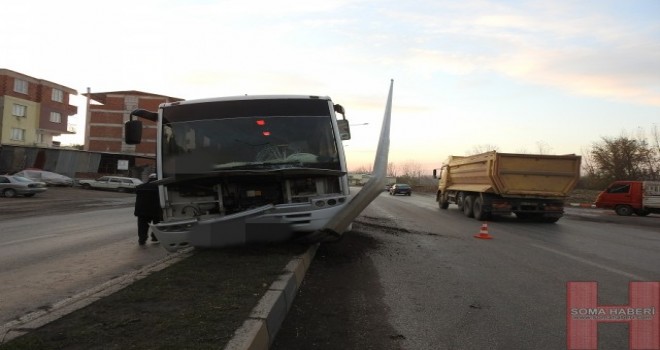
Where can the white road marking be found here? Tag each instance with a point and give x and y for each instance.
(28, 239)
(588, 262)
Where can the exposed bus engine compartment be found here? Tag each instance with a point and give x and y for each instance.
(228, 195)
(227, 210)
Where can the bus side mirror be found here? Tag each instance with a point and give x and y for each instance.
(435, 173)
(344, 129)
(133, 132)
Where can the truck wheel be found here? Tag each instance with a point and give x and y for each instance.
(623, 210)
(478, 209)
(468, 209)
(460, 200)
(443, 204)
(642, 212)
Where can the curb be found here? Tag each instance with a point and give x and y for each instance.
(582, 205)
(260, 328)
(36, 319)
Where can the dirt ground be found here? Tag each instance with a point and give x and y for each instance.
(351, 315)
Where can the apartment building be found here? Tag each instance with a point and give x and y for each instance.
(32, 110)
(107, 112)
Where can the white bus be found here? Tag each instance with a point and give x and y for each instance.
(244, 169)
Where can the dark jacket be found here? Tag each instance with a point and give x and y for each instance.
(147, 203)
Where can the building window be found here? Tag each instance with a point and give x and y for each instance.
(40, 138)
(19, 110)
(57, 95)
(55, 117)
(21, 86)
(17, 134)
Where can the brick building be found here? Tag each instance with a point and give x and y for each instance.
(106, 118)
(32, 110)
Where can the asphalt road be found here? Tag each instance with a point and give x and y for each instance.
(414, 277)
(63, 242)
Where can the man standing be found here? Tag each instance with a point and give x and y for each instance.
(147, 208)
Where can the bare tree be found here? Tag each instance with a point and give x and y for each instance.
(621, 158)
(362, 169)
(411, 172)
(654, 154)
(543, 147)
(483, 148)
(391, 169)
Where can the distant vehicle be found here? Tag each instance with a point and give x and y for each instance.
(12, 186)
(112, 183)
(532, 186)
(628, 197)
(387, 187)
(47, 177)
(403, 189)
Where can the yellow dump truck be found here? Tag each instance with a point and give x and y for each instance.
(532, 186)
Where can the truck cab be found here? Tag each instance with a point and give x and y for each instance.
(625, 197)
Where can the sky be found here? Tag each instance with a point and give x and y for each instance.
(541, 76)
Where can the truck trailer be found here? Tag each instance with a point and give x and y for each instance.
(628, 197)
(532, 186)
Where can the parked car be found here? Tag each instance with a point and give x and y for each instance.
(12, 186)
(112, 183)
(47, 177)
(403, 189)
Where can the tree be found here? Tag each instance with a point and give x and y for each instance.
(478, 149)
(412, 172)
(654, 154)
(543, 147)
(391, 169)
(362, 169)
(622, 158)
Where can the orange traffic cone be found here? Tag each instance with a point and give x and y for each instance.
(483, 233)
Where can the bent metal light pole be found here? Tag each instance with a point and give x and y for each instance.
(343, 219)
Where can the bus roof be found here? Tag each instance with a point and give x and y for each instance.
(246, 97)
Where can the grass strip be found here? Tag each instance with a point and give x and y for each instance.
(196, 303)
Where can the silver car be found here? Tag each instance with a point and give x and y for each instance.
(113, 183)
(12, 186)
(49, 178)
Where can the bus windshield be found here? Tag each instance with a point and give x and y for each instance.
(248, 143)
